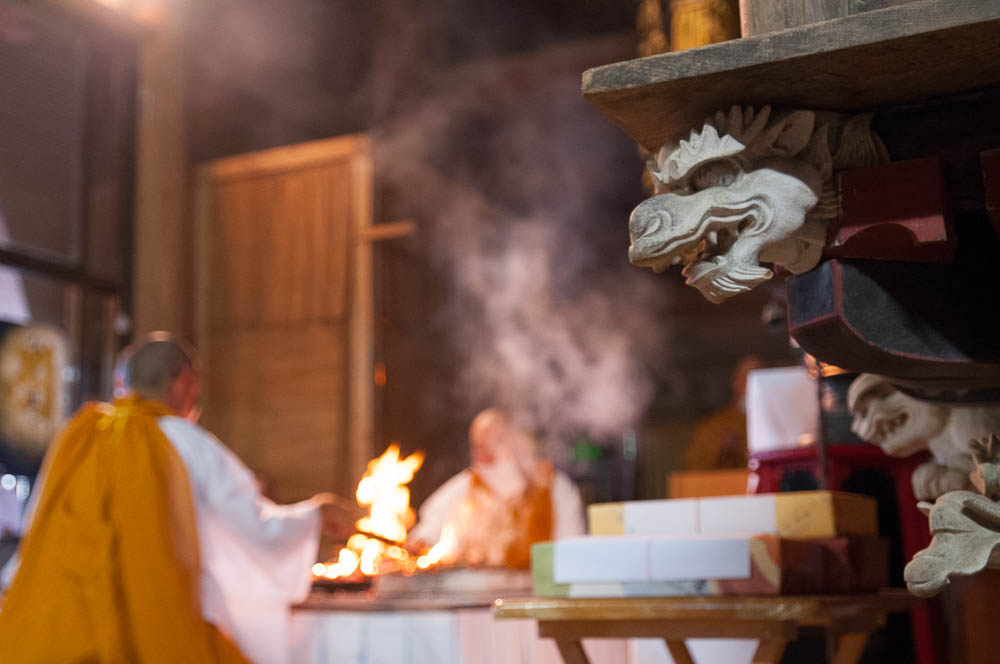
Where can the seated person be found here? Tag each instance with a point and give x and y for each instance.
(720, 440)
(505, 502)
(149, 540)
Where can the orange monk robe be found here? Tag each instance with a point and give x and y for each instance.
(110, 567)
(498, 530)
(521, 522)
(719, 441)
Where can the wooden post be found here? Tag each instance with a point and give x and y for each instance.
(695, 23)
(360, 420)
(163, 235)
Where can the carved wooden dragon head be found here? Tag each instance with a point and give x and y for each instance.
(749, 187)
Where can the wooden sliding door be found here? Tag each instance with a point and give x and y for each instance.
(284, 312)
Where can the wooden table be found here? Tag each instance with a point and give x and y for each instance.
(848, 619)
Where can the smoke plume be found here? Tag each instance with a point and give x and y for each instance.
(517, 184)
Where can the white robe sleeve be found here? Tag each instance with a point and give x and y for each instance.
(279, 541)
(438, 508)
(567, 508)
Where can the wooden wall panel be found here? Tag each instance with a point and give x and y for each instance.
(281, 256)
(279, 309)
(277, 397)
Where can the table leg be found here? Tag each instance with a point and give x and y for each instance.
(849, 647)
(769, 651)
(679, 651)
(572, 651)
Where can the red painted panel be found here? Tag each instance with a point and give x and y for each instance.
(990, 161)
(894, 211)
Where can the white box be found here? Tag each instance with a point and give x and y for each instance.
(782, 408)
(699, 558)
(749, 515)
(661, 517)
(600, 559)
(627, 560)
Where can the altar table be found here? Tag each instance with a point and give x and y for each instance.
(775, 620)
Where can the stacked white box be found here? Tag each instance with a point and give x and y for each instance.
(601, 559)
(661, 517)
(737, 514)
(627, 559)
(675, 559)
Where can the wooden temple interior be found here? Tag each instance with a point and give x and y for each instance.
(376, 219)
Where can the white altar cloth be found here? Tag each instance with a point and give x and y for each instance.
(468, 636)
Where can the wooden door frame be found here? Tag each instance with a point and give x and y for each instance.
(357, 149)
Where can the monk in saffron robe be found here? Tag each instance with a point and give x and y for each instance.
(507, 499)
(140, 515)
(720, 440)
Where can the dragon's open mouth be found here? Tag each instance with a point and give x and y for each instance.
(721, 254)
(709, 244)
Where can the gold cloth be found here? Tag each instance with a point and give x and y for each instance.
(110, 566)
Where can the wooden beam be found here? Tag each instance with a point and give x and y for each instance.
(387, 231)
(880, 58)
(59, 269)
(286, 158)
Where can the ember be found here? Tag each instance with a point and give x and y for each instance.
(379, 546)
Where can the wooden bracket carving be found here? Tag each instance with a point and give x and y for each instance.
(748, 187)
(990, 161)
(928, 326)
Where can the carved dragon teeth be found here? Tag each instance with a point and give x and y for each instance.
(709, 245)
(713, 241)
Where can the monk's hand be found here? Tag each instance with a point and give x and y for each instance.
(325, 498)
(336, 518)
(417, 547)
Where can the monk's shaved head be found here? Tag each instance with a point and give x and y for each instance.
(157, 362)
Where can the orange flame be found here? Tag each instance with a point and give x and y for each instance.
(383, 491)
(440, 550)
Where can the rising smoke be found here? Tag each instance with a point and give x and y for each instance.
(522, 193)
(521, 190)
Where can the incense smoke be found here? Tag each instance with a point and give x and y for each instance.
(517, 185)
